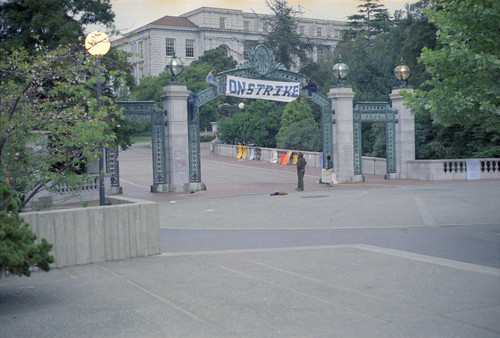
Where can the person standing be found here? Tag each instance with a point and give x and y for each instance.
(301, 169)
(211, 81)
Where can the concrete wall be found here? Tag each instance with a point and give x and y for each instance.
(312, 158)
(373, 165)
(127, 228)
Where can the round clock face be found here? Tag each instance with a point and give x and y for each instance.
(97, 43)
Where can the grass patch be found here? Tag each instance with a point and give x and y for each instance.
(141, 139)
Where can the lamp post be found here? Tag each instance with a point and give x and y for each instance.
(402, 73)
(174, 67)
(340, 71)
(97, 44)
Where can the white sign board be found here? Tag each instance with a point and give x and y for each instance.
(261, 89)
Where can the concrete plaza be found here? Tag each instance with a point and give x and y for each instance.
(379, 258)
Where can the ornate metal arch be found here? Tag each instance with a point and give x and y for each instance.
(262, 65)
(375, 112)
(148, 111)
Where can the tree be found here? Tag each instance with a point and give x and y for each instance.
(301, 135)
(193, 76)
(464, 71)
(258, 124)
(50, 127)
(372, 19)
(49, 23)
(217, 59)
(298, 129)
(282, 36)
(18, 251)
(41, 25)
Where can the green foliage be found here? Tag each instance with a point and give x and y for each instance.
(295, 111)
(298, 129)
(374, 139)
(207, 138)
(193, 76)
(49, 23)
(463, 89)
(282, 36)
(18, 251)
(372, 19)
(49, 123)
(257, 124)
(301, 135)
(216, 58)
(150, 88)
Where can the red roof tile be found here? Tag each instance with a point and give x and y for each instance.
(173, 21)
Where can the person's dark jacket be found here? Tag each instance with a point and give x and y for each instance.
(301, 163)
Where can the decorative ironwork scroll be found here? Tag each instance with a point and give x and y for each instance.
(147, 111)
(375, 112)
(262, 65)
(112, 166)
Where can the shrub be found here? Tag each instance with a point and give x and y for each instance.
(18, 251)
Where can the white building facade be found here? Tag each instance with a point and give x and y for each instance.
(205, 28)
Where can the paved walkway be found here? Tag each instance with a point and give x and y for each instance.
(282, 290)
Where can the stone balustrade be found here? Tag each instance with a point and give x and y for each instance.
(429, 170)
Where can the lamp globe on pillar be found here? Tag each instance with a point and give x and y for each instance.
(340, 71)
(174, 67)
(98, 44)
(402, 73)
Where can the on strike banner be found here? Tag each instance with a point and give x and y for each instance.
(260, 89)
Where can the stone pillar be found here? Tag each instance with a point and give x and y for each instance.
(343, 139)
(176, 139)
(405, 133)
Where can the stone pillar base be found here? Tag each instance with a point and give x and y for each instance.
(391, 176)
(187, 187)
(160, 188)
(198, 186)
(358, 178)
(115, 191)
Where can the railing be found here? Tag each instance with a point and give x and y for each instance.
(64, 194)
(452, 169)
(486, 166)
(427, 170)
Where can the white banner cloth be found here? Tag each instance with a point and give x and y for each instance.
(261, 89)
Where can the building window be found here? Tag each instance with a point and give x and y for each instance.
(246, 26)
(140, 50)
(332, 31)
(318, 31)
(225, 49)
(190, 48)
(320, 52)
(222, 22)
(170, 47)
(301, 29)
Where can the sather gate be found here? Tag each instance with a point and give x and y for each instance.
(176, 140)
(261, 65)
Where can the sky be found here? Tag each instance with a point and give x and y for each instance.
(131, 14)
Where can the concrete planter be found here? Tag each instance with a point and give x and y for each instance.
(127, 228)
